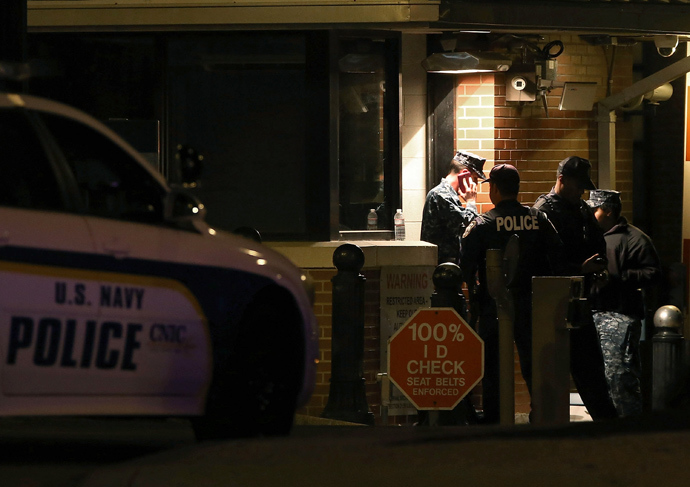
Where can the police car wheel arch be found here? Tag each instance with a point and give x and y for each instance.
(255, 388)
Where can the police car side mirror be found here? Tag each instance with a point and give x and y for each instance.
(181, 206)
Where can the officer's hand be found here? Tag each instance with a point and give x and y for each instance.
(468, 190)
(594, 264)
(600, 279)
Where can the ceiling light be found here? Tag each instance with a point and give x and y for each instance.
(466, 62)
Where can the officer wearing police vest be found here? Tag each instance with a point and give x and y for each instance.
(584, 253)
(539, 250)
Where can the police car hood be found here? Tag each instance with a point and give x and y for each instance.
(226, 249)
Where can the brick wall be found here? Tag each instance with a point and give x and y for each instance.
(535, 143)
(522, 134)
(323, 309)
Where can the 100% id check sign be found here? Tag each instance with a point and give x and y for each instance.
(435, 358)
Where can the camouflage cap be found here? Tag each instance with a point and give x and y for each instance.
(472, 162)
(599, 197)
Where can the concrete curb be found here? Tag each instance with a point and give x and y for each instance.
(303, 420)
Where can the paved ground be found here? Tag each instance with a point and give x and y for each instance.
(591, 454)
(581, 454)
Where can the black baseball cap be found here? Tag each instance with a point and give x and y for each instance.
(578, 168)
(472, 162)
(506, 177)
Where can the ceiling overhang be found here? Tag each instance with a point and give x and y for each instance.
(162, 14)
(430, 16)
(557, 16)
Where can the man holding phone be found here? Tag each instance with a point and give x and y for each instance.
(444, 219)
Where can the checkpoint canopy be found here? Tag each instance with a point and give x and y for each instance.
(435, 358)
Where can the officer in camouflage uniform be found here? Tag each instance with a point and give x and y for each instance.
(539, 246)
(584, 253)
(443, 221)
(444, 218)
(633, 266)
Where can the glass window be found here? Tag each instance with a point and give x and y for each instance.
(299, 131)
(28, 179)
(110, 182)
(109, 76)
(240, 100)
(368, 151)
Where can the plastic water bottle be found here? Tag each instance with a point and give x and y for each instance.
(372, 220)
(399, 225)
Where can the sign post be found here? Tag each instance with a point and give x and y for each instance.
(435, 359)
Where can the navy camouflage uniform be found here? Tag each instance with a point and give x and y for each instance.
(633, 265)
(537, 240)
(620, 345)
(582, 238)
(444, 219)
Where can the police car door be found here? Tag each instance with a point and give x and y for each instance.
(45, 300)
(151, 328)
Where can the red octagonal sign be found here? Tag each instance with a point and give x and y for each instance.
(435, 358)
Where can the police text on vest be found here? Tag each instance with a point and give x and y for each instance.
(517, 223)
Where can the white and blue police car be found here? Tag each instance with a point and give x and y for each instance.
(117, 299)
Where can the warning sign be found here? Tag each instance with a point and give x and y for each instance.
(404, 290)
(435, 358)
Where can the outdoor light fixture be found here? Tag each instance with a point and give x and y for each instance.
(466, 62)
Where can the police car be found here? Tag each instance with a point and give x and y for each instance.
(117, 298)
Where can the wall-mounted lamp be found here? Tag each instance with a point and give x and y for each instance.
(466, 62)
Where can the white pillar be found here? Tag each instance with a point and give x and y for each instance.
(414, 139)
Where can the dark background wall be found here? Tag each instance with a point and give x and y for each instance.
(663, 162)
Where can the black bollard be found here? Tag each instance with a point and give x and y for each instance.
(447, 289)
(667, 356)
(347, 400)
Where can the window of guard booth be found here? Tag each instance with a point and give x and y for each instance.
(369, 136)
(240, 100)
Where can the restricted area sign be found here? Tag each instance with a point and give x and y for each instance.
(435, 358)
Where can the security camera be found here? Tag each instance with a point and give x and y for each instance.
(666, 44)
(518, 83)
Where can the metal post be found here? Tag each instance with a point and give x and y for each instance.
(495, 273)
(551, 297)
(667, 356)
(347, 400)
(382, 378)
